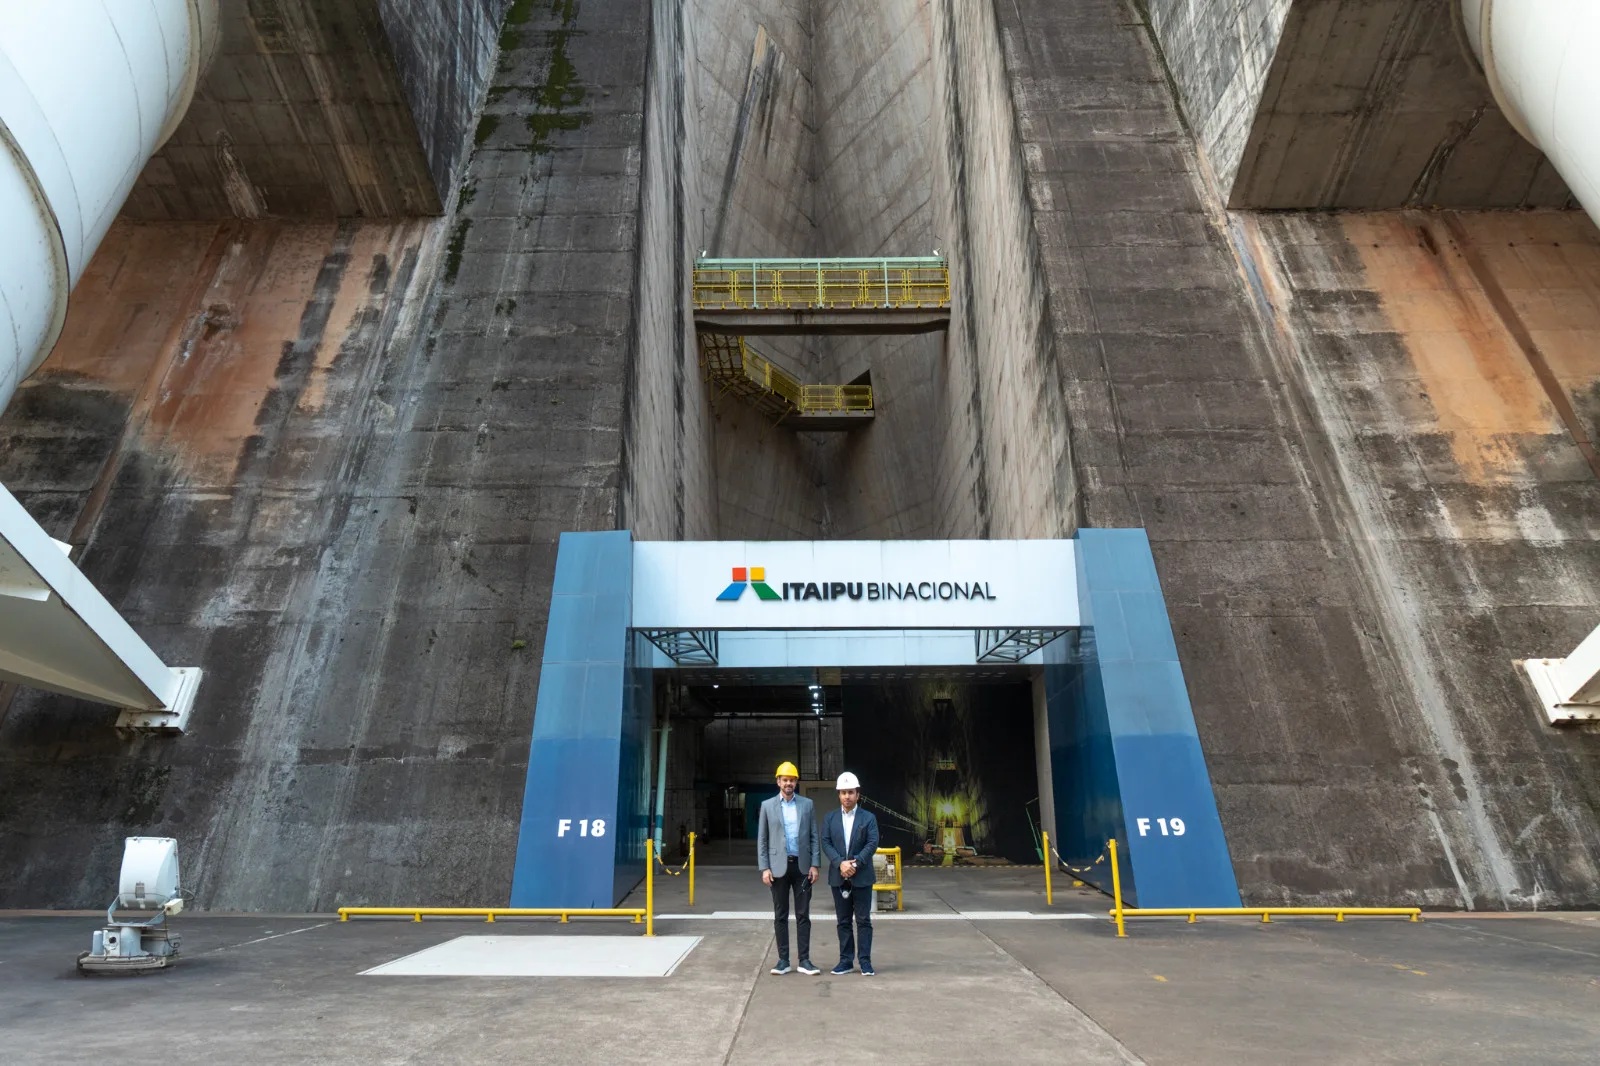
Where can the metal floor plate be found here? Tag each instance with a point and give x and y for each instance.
(544, 956)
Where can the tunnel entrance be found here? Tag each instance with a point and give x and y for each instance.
(969, 683)
(946, 759)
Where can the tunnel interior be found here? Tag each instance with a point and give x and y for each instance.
(946, 758)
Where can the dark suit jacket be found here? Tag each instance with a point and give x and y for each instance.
(862, 846)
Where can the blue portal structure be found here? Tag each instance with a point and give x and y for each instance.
(1125, 756)
(581, 842)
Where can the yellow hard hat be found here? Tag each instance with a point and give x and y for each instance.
(788, 769)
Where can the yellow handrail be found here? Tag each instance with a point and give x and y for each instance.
(819, 287)
(1118, 912)
(1414, 913)
(645, 914)
(898, 885)
(489, 913)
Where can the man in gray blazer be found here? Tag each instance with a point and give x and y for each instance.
(788, 854)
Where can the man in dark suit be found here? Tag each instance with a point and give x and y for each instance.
(850, 840)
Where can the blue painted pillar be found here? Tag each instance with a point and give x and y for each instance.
(581, 843)
(1125, 755)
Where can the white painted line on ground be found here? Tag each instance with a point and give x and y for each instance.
(544, 956)
(264, 939)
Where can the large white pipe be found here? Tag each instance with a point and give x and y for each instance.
(89, 90)
(1542, 59)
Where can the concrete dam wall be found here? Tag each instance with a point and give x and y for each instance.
(328, 460)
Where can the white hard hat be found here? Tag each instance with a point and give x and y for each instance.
(847, 780)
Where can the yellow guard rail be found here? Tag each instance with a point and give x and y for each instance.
(910, 282)
(1119, 912)
(645, 914)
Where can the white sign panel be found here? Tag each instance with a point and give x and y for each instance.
(855, 584)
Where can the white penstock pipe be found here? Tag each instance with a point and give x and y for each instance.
(1542, 59)
(89, 90)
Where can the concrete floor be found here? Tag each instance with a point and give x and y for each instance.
(285, 989)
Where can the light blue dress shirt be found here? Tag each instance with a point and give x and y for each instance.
(791, 825)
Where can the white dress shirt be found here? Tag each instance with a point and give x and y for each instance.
(849, 819)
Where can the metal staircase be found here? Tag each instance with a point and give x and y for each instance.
(736, 298)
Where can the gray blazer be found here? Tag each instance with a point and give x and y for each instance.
(772, 853)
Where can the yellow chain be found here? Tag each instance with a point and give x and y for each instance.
(655, 849)
(1077, 869)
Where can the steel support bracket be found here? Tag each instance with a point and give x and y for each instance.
(173, 718)
(1011, 645)
(1569, 688)
(686, 647)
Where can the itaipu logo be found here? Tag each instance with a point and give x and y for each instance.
(756, 577)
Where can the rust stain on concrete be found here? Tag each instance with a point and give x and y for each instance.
(1474, 376)
(201, 356)
(123, 310)
(1477, 363)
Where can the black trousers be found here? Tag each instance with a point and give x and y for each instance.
(797, 881)
(856, 906)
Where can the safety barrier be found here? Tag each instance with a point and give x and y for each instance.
(898, 885)
(821, 284)
(490, 913)
(835, 398)
(1119, 914)
(687, 864)
(646, 914)
(1049, 891)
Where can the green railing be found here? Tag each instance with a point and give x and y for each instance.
(916, 282)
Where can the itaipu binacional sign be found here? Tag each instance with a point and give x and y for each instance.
(756, 577)
(854, 584)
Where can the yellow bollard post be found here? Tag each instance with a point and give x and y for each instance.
(691, 869)
(1116, 885)
(650, 886)
(1049, 895)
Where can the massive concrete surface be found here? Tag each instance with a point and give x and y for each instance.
(1120, 354)
(329, 463)
(1367, 732)
(327, 108)
(796, 128)
(1344, 103)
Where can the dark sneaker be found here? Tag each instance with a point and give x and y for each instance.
(867, 970)
(782, 967)
(806, 968)
(843, 967)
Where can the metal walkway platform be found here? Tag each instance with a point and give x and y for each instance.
(736, 298)
(823, 296)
